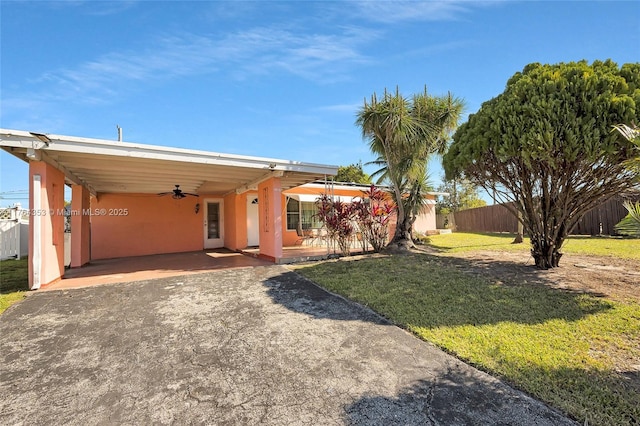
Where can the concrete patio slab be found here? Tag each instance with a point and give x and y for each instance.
(258, 345)
(138, 268)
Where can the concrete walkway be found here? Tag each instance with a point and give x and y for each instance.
(241, 346)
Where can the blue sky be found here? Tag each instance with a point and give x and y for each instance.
(276, 79)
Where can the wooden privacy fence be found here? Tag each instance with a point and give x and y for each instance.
(598, 221)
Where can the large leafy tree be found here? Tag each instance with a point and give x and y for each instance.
(462, 195)
(404, 133)
(546, 144)
(352, 173)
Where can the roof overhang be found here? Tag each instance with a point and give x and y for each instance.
(307, 198)
(106, 166)
(362, 186)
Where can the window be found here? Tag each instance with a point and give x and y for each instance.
(309, 216)
(293, 213)
(304, 213)
(213, 219)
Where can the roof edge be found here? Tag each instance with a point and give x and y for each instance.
(26, 139)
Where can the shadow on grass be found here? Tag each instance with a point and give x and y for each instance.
(14, 276)
(506, 239)
(431, 291)
(469, 247)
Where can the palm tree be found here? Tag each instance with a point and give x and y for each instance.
(405, 133)
(630, 225)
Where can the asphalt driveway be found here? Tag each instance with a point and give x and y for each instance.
(242, 346)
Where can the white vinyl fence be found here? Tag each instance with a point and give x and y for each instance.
(14, 233)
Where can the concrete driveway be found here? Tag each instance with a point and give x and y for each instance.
(243, 346)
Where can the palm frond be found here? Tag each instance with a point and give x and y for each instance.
(630, 225)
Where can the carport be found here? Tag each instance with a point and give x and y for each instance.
(116, 211)
(140, 268)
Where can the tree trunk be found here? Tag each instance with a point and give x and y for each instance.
(402, 240)
(546, 254)
(520, 237)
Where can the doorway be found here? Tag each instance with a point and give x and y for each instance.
(253, 227)
(213, 223)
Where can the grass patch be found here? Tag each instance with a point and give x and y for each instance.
(559, 346)
(459, 242)
(14, 282)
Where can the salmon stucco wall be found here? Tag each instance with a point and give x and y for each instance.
(270, 218)
(142, 224)
(235, 221)
(80, 224)
(51, 217)
(426, 220)
(289, 237)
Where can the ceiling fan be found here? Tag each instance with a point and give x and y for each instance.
(177, 193)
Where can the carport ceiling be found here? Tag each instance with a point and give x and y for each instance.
(106, 166)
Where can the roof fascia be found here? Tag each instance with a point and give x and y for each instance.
(22, 139)
(34, 146)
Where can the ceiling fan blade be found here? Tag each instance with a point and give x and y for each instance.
(193, 195)
(177, 193)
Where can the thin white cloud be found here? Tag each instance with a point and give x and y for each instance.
(438, 48)
(342, 108)
(317, 57)
(259, 51)
(105, 8)
(90, 7)
(399, 11)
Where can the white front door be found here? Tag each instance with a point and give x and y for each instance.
(213, 223)
(253, 227)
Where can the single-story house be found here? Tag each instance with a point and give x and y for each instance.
(208, 200)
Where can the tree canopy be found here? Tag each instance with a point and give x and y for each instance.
(462, 195)
(352, 173)
(546, 144)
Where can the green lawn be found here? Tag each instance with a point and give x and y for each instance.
(14, 282)
(556, 345)
(458, 242)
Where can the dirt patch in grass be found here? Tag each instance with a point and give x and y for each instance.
(610, 277)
